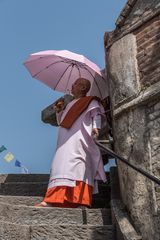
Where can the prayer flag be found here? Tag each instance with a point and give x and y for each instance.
(9, 157)
(24, 170)
(2, 148)
(17, 163)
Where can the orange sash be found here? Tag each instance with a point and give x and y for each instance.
(76, 110)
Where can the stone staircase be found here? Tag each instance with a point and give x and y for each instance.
(19, 219)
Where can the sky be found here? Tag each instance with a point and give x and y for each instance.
(32, 26)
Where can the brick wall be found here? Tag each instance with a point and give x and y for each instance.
(148, 44)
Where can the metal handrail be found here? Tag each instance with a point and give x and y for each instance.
(113, 154)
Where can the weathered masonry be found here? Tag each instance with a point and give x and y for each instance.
(133, 69)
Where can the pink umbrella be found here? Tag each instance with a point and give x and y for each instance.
(60, 69)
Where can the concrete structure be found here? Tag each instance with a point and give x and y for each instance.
(133, 68)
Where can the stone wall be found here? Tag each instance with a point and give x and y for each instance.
(122, 65)
(133, 66)
(153, 132)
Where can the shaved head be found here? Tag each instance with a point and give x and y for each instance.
(80, 87)
(85, 84)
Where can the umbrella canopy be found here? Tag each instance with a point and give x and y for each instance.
(60, 69)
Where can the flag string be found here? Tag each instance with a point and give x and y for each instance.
(9, 157)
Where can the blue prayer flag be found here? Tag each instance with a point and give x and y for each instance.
(17, 163)
(25, 170)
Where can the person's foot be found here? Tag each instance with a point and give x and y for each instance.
(44, 204)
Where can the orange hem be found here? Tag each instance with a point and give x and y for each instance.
(65, 196)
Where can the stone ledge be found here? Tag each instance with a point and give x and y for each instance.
(12, 231)
(97, 202)
(124, 228)
(20, 200)
(6, 178)
(32, 215)
(70, 232)
(23, 188)
(151, 92)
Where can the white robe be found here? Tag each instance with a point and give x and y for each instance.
(77, 157)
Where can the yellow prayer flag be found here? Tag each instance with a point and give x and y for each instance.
(9, 157)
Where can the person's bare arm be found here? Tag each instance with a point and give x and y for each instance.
(95, 132)
(58, 106)
(96, 126)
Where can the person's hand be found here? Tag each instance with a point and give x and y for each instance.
(95, 132)
(58, 106)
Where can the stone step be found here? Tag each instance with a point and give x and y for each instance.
(24, 178)
(70, 232)
(22, 214)
(38, 189)
(103, 191)
(10, 231)
(32, 200)
(23, 188)
(104, 187)
(6, 178)
(20, 200)
(100, 203)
